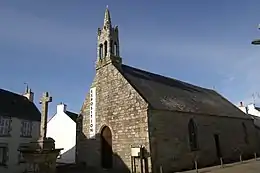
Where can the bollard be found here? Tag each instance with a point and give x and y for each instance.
(161, 170)
(196, 166)
(221, 162)
(255, 156)
(240, 157)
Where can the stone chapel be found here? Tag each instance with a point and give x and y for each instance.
(130, 114)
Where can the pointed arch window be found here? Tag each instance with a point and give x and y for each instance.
(115, 49)
(111, 47)
(193, 141)
(245, 133)
(101, 51)
(105, 45)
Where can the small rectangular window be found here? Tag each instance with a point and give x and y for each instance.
(26, 130)
(3, 155)
(5, 126)
(20, 155)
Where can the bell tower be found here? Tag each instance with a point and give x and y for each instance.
(108, 43)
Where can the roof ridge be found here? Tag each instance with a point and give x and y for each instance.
(165, 93)
(11, 92)
(169, 78)
(71, 112)
(16, 105)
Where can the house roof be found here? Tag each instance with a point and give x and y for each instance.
(72, 115)
(15, 105)
(257, 108)
(256, 121)
(164, 93)
(254, 117)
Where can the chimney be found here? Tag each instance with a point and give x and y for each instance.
(29, 94)
(241, 104)
(61, 108)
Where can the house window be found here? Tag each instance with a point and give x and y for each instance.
(20, 158)
(3, 155)
(192, 135)
(20, 155)
(245, 133)
(5, 126)
(26, 130)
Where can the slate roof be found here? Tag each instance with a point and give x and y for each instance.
(164, 93)
(256, 121)
(72, 115)
(15, 105)
(257, 108)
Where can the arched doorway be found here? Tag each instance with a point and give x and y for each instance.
(106, 148)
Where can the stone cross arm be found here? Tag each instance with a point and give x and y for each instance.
(45, 98)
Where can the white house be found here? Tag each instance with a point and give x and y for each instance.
(62, 128)
(251, 110)
(19, 125)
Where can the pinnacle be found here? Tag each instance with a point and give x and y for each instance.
(107, 19)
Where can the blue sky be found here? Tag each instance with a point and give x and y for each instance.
(51, 45)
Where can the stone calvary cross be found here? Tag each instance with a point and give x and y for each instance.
(45, 100)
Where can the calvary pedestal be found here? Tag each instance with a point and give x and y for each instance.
(41, 155)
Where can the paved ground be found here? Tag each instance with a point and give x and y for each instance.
(250, 166)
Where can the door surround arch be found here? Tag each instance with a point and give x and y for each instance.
(106, 147)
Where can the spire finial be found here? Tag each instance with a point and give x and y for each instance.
(107, 19)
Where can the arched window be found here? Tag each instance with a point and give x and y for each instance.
(101, 51)
(115, 49)
(193, 135)
(245, 133)
(105, 48)
(111, 47)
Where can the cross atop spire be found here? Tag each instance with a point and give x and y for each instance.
(107, 19)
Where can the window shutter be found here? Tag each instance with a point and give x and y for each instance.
(1, 155)
(6, 126)
(10, 126)
(1, 121)
(27, 128)
(21, 131)
(31, 126)
(7, 154)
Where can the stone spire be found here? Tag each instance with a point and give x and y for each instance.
(107, 19)
(108, 43)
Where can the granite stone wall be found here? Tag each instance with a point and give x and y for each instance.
(169, 139)
(120, 108)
